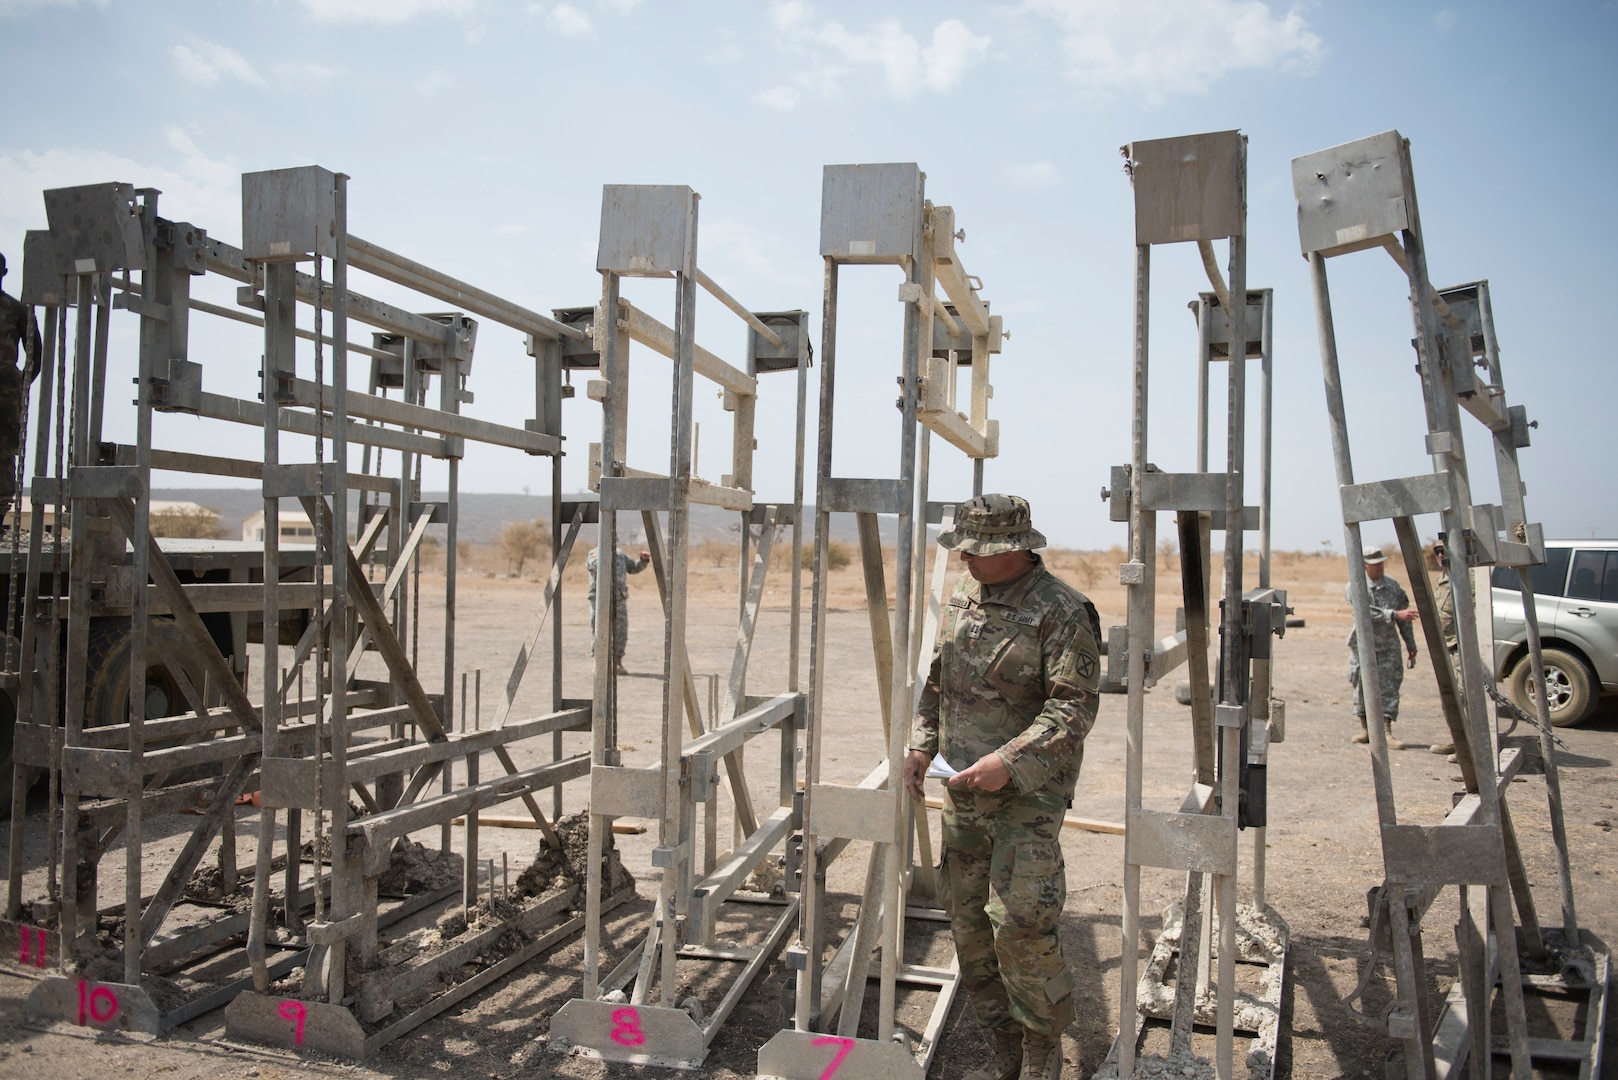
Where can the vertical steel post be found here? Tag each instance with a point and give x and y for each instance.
(1140, 626)
(603, 727)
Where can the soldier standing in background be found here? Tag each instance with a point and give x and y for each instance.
(1009, 699)
(1444, 599)
(17, 328)
(1390, 608)
(622, 567)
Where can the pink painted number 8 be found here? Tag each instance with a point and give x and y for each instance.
(626, 1027)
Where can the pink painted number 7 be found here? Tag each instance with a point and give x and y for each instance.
(844, 1046)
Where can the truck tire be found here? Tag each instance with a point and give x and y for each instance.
(106, 682)
(1571, 690)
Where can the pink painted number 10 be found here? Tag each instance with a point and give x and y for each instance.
(97, 1004)
(843, 1045)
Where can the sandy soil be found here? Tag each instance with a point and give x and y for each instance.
(1322, 847)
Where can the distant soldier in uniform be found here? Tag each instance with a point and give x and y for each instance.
(1390, 609)
(1009, 699)
(622, 567)
(17, 328)
(1445, 602)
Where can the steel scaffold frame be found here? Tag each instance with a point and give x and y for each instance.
(289, 216)
(878, 214)
(651, 231)
(1361, 196)
(1193, 188)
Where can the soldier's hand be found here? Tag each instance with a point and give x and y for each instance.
(1407, 615)
(644, 554)
(987, 773)
(916, 763)
(1411, 658)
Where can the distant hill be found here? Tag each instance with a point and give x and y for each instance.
(483, 515)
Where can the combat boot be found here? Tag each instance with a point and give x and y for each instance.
(1393, 743)
(1363, 736)
(1007, 1060)
(1041, 1056)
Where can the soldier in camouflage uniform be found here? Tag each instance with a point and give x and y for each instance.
(1444, 599)
(1010, 696)
(1390, 609)
(622, 567)
(17, 328)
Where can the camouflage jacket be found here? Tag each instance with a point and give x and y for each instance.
(622, 567)
(1387, 596)
(1015, 672)
(18, 330)
(1444, 600)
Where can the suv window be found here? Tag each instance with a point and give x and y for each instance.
(1548, 579)
(1595, 576)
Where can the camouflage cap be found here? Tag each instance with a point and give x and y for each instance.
(991, 524)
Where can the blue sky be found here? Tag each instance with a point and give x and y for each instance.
(478, 135)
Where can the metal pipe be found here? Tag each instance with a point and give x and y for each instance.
(251, 320)
(378, 260)
(736, 305)
(1139, 632)
(1211, 265)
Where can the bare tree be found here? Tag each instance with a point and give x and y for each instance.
(520, 541)
(201, 523)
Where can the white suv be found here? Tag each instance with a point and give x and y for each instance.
(1576, 597)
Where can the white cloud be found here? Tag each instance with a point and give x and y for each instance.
(202, 62)
(305, 74)
(785, 98)
(726, 51)
(9, 8)
(1445, 20)
(732, 251)
(433, 82)
(195, 188)
(1036, 174)
(385, 11)
(625, 6)
(569, 21)
(833, 50)
(1168, 48)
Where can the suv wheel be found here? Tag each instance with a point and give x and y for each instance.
(1570, 689)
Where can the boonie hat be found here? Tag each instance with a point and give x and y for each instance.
(992, 524)
(1374, 555)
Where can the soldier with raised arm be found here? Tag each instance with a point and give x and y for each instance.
(1391, 616)
(1009, 698)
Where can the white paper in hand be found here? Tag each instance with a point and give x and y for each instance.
(940, 768)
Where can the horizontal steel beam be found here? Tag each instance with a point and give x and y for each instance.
(659, 338)
(240, 411)
(378, 260)
(229, 261)
(391, 411)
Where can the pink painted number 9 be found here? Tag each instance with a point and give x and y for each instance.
(843, 1045)
(294, 1011)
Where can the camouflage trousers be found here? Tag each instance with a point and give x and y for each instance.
(620, 625)
(1390, 675)
(1004, 884)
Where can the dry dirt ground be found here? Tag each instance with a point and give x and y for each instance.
(1322, 847)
